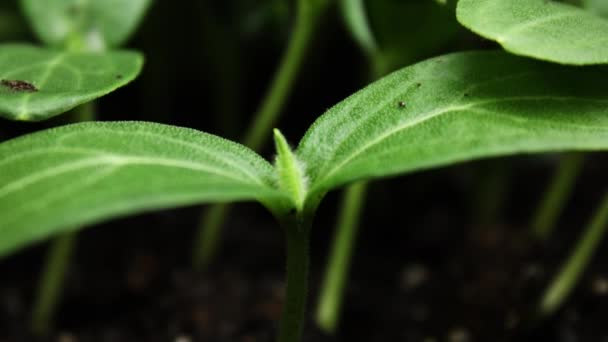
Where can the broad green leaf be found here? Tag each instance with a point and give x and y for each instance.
(36, 83)
(456, 108)
(89, 24)
(63, 178)
(541, 29)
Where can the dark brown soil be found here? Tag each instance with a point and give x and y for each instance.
(422, 272)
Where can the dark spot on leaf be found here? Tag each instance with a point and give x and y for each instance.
(118, 77)
(401, 104)
(466, 94)
(418, 85)
(18, 85)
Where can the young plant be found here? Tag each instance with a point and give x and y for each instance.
(38, 83)
(43, 82)
(308, 14)
(564, 34)
(392, 42)
(449, 109)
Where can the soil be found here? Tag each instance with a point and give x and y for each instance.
(422, 272)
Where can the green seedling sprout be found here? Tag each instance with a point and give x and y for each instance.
(369, 135)
(449, 109)
(398, 26)
(524, 32)
(308, 14)
(89, 30)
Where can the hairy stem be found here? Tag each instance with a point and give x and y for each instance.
(57, 261)
(336, 273)
(294, 309)
(571, 271)
(212, 221)
(557, 194)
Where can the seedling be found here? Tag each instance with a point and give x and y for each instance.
(90, 172)
(521, 27)
(449, 109)
(52, 81)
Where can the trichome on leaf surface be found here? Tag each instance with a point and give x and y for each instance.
(448, 109)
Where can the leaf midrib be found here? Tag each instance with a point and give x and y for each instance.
(454, 107)
(517, 29)
(115, 160)
(53, 64)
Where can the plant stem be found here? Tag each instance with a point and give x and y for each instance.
(556, 196)
(571, 271)
(282, 83)
(298, 259)
(336, 273)
(51, 284)
(57, 260)
(209, 235)
(263, 121)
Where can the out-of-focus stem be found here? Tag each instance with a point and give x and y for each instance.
(336, 273)
(573, 268)
(57, 261)
(557, 195)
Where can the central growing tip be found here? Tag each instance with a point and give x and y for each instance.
(291, 173)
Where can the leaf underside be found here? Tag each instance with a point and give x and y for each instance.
(456, 108)
(61, 179)
(58, 81)
(100, 24)
(542, 29)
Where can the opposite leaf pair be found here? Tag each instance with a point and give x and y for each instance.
(449, 109)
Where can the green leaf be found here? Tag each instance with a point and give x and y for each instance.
(291, 176)
(36, 83)
(456, 108)
(63, 178)
(94, 24)
(541, 29)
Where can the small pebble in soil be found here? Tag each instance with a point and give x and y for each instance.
(183, 338)
(66, 337)
(599, 286)
(459, 334)
(413, 276)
